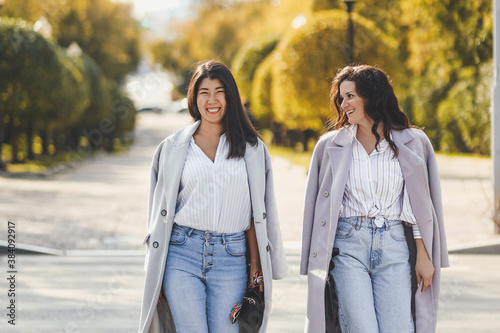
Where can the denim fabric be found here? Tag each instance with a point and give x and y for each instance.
(372, 277)
(205, 276)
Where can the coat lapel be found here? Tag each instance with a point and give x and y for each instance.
(414, 171)
(340, 153)
(254, 160)
(174, 163)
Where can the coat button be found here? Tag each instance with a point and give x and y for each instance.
(315, 254)
(264, 215)
(155, 245)
(267, 248)
(325, 193)
(163, 212)
(323, 222)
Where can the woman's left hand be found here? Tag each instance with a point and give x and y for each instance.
(254, 268)
(424, 267)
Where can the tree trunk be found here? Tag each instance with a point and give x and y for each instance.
(2, 165)
(30, 135)
(14, 135)
(44, 135)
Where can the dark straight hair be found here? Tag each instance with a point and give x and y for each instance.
(381, 104)
(239, 129)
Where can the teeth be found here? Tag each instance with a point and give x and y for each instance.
(349, 112)
(213, 110)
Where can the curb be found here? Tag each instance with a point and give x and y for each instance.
(491, 248)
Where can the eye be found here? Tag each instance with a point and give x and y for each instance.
(202, 93)
(220, 91)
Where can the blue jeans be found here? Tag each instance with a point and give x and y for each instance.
(372, 277)
(205, 276)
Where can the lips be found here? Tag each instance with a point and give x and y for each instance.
(212, 110)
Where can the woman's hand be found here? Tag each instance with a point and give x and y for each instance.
(254, 268)
(424, 267)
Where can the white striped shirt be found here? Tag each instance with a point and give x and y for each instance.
(213, 196)
(375, 186)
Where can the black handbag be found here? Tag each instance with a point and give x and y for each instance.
(331, 301)
(251, 311)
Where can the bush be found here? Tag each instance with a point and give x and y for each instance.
(308, 58)
(246, 62)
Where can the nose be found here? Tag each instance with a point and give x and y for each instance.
(344, 103)
(211, 98)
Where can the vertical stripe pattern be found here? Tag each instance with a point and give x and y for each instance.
(375, 186)
(214, 196)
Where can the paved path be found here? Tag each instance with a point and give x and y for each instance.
(102, 295)
(100, 205)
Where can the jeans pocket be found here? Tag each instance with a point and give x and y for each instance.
(344, 230)
(236, 248)
(397, 233)
(178, 237)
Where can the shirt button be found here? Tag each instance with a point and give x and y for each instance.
(206, 254)
(206, 265)
(325, 193)
(323, 222)
(207, 234)
(315, 254)
(206, 244)
(163, 212)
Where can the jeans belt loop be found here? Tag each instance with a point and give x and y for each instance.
(190, 232)
(223, 236)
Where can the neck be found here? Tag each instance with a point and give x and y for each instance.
(207, 129)
(366, 129)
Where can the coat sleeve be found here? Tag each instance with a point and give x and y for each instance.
(435, 189)
(278, 257)
(310, 204)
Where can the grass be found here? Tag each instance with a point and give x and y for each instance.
(302, 158)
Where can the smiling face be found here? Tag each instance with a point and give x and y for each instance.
(211, 101)
(353, 105)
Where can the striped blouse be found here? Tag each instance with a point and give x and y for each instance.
(376, 188)
(213, 196)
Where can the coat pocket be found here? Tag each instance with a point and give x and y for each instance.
(146, 239)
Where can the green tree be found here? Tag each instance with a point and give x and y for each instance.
(246, 62)
(301, 78)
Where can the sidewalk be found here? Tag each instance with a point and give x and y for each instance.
(101, 205)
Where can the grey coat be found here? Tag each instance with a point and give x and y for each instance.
(166, 169)
(325, 189)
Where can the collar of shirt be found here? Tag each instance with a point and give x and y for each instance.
(382, 145)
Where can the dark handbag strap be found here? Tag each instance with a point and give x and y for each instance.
(331, 301)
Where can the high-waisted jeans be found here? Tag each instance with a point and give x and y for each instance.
(205, 276)
(372, 277)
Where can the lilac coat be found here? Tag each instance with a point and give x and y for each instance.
(326, 182)
(166, 171)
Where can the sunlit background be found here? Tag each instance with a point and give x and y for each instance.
(100, 57)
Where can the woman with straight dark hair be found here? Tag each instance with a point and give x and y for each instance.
(212, 218)
(374, 178)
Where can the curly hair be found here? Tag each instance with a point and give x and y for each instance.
(381, 104)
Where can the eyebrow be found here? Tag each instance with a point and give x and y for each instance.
(348, 92)
(221, 87)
